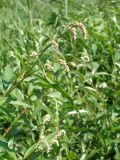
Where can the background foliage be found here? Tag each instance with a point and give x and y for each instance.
(53, 110)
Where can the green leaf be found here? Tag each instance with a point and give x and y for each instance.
(29, 4)
(19, 103)
(94, 66)
(92, 154)
(72, 155)
(58, 88)
(90, 89)
(4, 145)
(2, 100)
(16, 93)
(35, 156)
(12, 155)
(55, 95)
(44, 82)
(10, 144)
(1, 84)
(47, 84)
(42, 106)
(94, 48)
(56, 67)
(30, 150)
(101, 73)
(8, 73)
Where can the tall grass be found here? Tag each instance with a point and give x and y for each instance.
(59, 80)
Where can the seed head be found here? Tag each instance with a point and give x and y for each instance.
(85, 58)
(49, 67)
(63, 62)
(21, 32)
(82, 29)
(46, 118)
(55, 45)
(42, 139)
(48, 149)
(55, 141)
(61, 133)
(73, 31)
(34, 54)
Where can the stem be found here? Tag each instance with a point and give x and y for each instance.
(30, 12)
(57, 116)
(25, 75)
(15, 84)
(12, 124)
(10, 127)
(66, 8)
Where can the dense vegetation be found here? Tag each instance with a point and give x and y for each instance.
(59, 80)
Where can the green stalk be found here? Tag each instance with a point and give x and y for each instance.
(25, 75)
(66, 7)
(57, 115)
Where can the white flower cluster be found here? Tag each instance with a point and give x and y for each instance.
(85, 58)
(63, 62)
(46, 118)
(34, 54)
(73, 31)
(82, 28)
(55, 45)
(54, 140)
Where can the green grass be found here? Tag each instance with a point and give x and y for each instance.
(59, 96)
